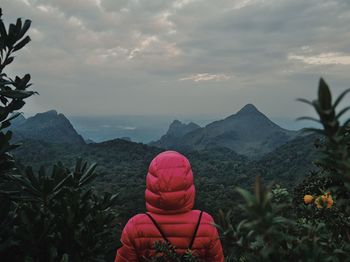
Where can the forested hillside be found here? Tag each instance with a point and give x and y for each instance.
(122, 167)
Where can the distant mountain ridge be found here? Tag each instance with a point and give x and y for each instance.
(176, 131)
(49, 126)
(248, 132)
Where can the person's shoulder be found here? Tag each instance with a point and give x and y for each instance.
(206, 217)
(207, 225)
(138, 219)
(131, 227)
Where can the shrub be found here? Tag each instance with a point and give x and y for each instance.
(46, 217)
(314, 224)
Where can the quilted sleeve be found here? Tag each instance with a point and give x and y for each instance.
(127, 253)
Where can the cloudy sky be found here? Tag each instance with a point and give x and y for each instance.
(183, 57)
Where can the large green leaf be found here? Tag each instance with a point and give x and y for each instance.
(25, 28)
(324, 95)
(18, 94)
(21, 44)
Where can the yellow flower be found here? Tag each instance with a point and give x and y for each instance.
(324, 198)
(330, 202)
(318, 202)
(324, 201)
(308, 199)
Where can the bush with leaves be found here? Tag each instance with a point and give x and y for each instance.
(167, 252)
(336, 217)
(58, 217)
(278, 227)
(13, 92)
(46, 217)
(337, 147)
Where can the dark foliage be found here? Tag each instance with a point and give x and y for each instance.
(278, 227)
(58, 216)
(46, 217)
(13, 91)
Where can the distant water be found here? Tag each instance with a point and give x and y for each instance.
(139, 128)
(149, 128)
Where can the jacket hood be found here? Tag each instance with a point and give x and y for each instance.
(169, 184)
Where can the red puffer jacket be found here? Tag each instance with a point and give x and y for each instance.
(169, 198)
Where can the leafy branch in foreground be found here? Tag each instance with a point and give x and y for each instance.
(12, 95)
(272, 231)
(46, 216)
(167, 252)
(59, 216)
(13, 92)
(337, 148)
(277, 228)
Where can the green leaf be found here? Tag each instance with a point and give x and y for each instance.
(258, 189)
(345, 126)
(8, 61)
(61, 184)
(32, 178)
(342, 112)
(12, 36)
(21, 44)
(13, 116)
(18, 25)
(3, 32)
(308, 118)
(283, 220)
(305, 101)
(78, 165)
(340, 97)
(65, 258)
(248, 197)
(25, 28)
(89, 175)
(19, 94)
(16, 104)
(324, 95)
(313, 130)
(5, 124)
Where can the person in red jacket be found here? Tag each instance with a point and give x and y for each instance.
(169, 196)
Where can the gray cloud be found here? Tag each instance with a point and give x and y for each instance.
(186, 57)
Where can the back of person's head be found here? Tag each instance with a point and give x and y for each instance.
(169, 184)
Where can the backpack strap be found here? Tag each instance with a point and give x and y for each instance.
(195, 231)
(166, 239)
(158, 227)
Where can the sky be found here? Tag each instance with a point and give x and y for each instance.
(181, 57)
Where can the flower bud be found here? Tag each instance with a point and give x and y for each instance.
(308, 199)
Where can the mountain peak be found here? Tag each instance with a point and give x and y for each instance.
(176, 122)
(51, 112)
(49, 126)
(248, 109)
(177, 128)
(248, 132)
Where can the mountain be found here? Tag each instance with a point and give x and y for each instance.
(126, 138)
(248, 132)
(176, 131)
(291, 161)
(48, 127)
(89, 141)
